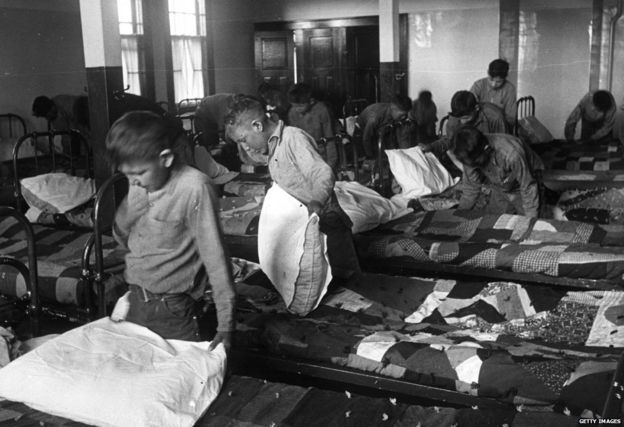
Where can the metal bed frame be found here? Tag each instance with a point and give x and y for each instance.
(52, 155)
(525, 107)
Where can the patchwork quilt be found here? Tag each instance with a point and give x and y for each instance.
(597, 205)
(531, 346)
(563, 155)
(59, 254)
(507, 242)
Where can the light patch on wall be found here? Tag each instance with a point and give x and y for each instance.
(421, 29)
(528, 41)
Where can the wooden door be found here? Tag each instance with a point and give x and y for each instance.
(363, 63)
(320, 63)
(274, 57)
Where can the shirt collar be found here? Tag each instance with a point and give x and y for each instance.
(276, 137)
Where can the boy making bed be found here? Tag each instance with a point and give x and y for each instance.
(170, 225)
(297, 167)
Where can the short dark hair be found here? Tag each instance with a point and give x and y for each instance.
(425, 97)
(470, 144)
(602, 100)
(245, 105)
(498, 68)
(463, 103)
(300, 93)
(139, 135)
(42, 106)
(402, 101)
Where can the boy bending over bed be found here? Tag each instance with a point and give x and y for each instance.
(170, 225)
(505, 164)
(297, 167)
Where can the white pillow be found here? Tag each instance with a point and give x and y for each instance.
(293, 251)
(366, 208)
(418, 173)
(117, 374)
(57, 192)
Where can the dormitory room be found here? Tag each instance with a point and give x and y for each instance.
(311, 213)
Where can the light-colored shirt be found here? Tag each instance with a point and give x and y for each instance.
(512, 168)
(296, 165)
(594, 124)
(503, 97)
(178, 233)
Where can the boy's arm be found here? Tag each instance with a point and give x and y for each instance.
(471, 188)
(302, 152)
(204, 223)
(509, 105)
(574, 117)
(129, 211)
(528, 187)
(607, 125)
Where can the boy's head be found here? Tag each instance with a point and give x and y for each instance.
(300, 98)
(247, 124)
(497, 73)
(400, 106)
(471, 147)
(464, 106)
(425, 97)
(602, 101)
(44, 107)
(140, 144)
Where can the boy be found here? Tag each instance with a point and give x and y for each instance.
(424, 114)
(378, 119)
(297, 167)
(170, 225)
(466, 111)
(495, 88)
(315, 118)
(505, 164)
(64, 113)
(596, 111)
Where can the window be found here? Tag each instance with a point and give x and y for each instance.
(132, 50)
(187, 21)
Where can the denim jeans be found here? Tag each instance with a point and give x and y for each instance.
(172, 316)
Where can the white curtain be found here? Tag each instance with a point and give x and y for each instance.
(130, 64)
(188, 77)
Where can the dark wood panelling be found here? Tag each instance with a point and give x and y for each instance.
(102, 82)
(274, 58)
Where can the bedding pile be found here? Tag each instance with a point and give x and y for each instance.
(117, 374)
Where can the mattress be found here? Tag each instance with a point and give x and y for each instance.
(59, 254)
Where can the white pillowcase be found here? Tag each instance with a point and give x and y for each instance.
(293, 251)
(57, 192)
(418, 173)
(365, 207)
(117, 374)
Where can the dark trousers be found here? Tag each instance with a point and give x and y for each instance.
(341, 252)
(172, 316)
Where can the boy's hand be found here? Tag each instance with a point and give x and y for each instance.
(224, 338)
(314, 207)
(426, 148)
